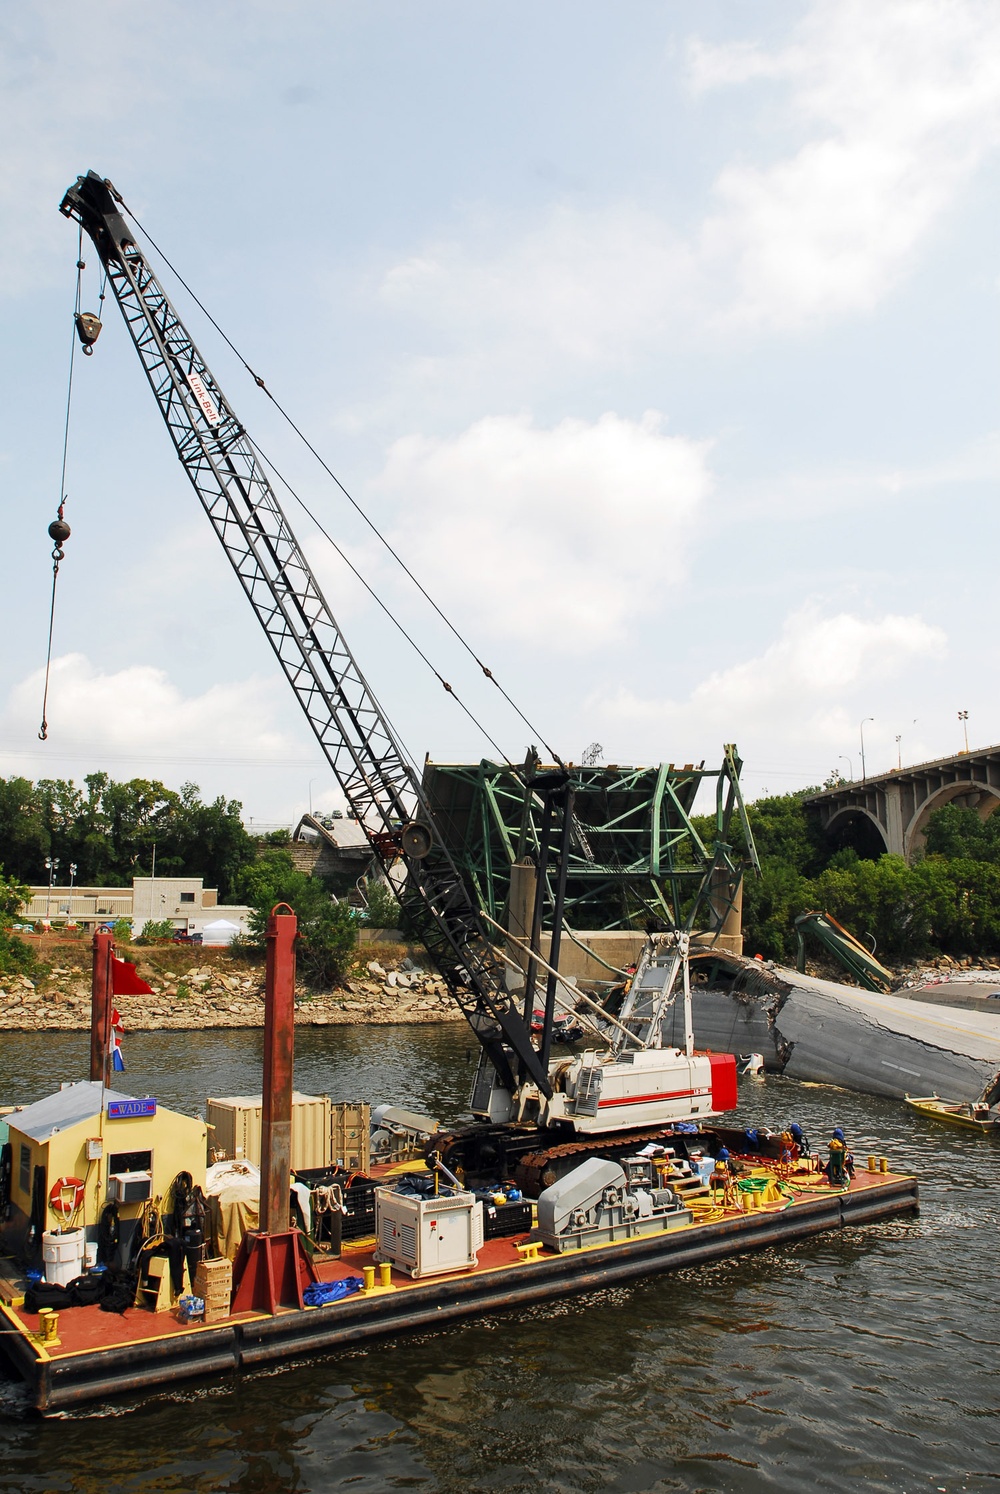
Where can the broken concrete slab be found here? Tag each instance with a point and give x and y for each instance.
(819, 1030)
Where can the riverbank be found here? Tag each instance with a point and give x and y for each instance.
(194, 989)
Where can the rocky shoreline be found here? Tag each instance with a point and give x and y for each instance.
(194, 990)
(224, 993)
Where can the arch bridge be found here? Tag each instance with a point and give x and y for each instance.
(889, 811)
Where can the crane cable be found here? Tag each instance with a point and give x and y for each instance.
(59, 530)
(379, 602)
(352, 501)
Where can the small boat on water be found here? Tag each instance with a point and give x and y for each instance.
(973, 1117)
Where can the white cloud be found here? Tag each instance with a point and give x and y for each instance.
(61, 110)
(532, 531)
(901, 101)
(838, 487)
(801, 690)
(138, 714)
(579, 283)
(875, 119)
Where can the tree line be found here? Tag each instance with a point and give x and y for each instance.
(947, 902)
(108, 831)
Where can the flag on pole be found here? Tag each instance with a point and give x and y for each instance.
(125, 982)
(115, 1042)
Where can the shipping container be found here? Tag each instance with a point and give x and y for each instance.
(235, 1125)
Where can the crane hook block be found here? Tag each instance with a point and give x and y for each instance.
(415, 841)
(88, 329)
(59, 533)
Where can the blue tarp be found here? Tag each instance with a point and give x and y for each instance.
(321, 1293)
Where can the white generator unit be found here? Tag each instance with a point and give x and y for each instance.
(428, 1235)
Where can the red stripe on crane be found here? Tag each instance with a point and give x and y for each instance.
(675, 1094)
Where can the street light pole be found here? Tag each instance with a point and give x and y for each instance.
(311, 782)
(51, 863)
(963, 716)
(72, 875)
(843, 757)
(863, 724)
(899, 751)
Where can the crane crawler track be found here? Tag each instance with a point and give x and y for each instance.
(539, 1170)
(494, 1152)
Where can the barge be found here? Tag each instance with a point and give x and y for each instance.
(102, 1355)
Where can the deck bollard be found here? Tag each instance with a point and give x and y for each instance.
(385, 1273)
(48, 1322)
(368, 1272)
(872, 1163)
(883, 1164)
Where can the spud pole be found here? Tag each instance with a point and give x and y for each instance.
(100, 1005)
(279, 1058)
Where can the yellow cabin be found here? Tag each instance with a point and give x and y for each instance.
(120, 1149)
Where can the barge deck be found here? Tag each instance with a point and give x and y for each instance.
(102, 1355)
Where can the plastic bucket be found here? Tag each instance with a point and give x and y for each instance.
(62, 1255)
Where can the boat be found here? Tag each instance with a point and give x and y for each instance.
(971, 1117)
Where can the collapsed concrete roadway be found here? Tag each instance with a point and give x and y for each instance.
(828, 1033)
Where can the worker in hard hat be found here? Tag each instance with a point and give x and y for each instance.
(840, 1168)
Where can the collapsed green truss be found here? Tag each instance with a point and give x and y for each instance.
(638, 856)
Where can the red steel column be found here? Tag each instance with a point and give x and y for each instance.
(101, 998)
(279, 1053)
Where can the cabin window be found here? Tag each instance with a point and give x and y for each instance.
(187, 897)
(130, 1162)
(25, 1170)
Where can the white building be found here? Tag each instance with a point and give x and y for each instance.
(183, 901)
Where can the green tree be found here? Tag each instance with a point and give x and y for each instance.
(771, 903)
(328, 932)
(383, 910)
(15, 955)
(880, 900)
(155, 930)
(958, 833)
(211, 837)
(24, 836)
(108, 831)
(784, 832)
(962, 898)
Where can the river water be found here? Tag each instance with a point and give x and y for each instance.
(864, 1359)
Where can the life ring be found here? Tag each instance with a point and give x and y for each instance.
(66, 1197)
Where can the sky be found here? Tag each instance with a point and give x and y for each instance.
(660, 340)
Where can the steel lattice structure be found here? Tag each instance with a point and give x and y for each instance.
(638, 855)
(382, 788)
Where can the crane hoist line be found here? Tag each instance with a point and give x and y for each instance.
(380, 785)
